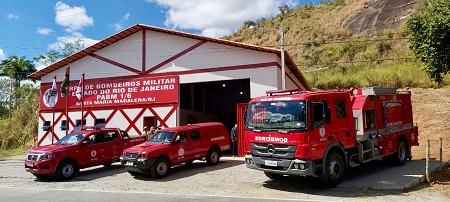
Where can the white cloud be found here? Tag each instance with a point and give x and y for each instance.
(44, 31)
(217, 18)
(2, 55)
(73, 18)
(12, 17)
(118, 25)
(71, 39)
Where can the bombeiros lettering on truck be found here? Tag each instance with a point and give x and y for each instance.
(321, 134)
(271, 139)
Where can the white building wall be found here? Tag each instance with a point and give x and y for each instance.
(159, 48)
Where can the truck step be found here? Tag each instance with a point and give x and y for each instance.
(353, 164)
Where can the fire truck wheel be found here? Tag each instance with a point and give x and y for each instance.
(334, 169)
(273, 176)
(213, 156)
(66, 170)
(401, 156)
(160, 169)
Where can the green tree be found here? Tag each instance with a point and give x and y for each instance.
(17, 69)
(430, 38)
(54, 55)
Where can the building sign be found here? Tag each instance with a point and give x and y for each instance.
(116, 92)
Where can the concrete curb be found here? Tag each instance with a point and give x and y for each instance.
(411, 184)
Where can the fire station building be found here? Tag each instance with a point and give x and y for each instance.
(150, 76)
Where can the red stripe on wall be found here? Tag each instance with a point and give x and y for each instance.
(144, 48)
(115, 63)
(214, 69)
(217, 69)
(175, 57)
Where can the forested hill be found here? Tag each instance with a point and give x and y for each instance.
(354, 42)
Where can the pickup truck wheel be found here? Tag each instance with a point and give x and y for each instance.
(334, 169)
(66, 170)
(160, 169)
(273, 176)
(213, 157)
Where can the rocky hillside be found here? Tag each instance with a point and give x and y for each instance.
(360, 42)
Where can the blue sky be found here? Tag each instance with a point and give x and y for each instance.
(30, 27)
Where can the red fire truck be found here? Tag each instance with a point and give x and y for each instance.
(320, 134)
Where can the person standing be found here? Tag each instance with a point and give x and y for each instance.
(234, 140)
(146, 132)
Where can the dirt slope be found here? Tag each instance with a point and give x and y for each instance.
(431, 108)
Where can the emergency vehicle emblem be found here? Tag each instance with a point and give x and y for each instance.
(270, 149)
(181, 152)
(322, 132)
(93, 153)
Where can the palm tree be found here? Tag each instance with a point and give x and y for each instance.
(17, 69)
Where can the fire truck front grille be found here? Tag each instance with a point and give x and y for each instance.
(273, 150)
(32, 157)
(131, 155)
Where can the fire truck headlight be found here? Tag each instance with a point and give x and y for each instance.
(296, 165)
(249, 161)
(303, 166)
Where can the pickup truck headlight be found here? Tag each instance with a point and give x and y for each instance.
(142, 155)
(46, 156)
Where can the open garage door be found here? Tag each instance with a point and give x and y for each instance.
(212, 101)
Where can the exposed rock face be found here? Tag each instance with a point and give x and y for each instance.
(379, 15)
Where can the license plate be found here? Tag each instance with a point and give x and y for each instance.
(30, 165)
(129, 163)
(270, 163)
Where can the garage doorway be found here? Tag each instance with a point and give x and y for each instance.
(212, 101)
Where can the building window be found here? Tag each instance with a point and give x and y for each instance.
(46, 126)
(78, 124)
(63, 125)
(99, 122)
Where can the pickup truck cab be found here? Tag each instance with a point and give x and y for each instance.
(172, 146)
(90, 146)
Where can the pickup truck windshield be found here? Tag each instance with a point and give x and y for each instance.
(70, 139)
(162, 137)
(276, 115)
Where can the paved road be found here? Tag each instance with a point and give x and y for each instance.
(228, 181)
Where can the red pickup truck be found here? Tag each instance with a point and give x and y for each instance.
(90, 146)
(172, 146)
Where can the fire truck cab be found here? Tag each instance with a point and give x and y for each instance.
(320, 134)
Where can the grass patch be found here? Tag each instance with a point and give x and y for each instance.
(4, 154)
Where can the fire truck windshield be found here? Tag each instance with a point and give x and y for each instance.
(276, 115)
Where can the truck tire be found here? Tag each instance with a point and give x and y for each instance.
(213, 156)
(66, 170)
(160, 169)
(273, 176)
(334, 169)
(400, 157)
